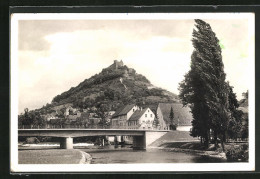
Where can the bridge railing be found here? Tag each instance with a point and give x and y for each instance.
(48, 126)
(63, 127)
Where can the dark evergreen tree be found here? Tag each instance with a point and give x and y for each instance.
(156, 120)
(171, 116)
(244, 130)
(204, 87)
(235, 123)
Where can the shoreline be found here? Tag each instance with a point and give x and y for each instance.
(208, 153)
(86, 157)
(212, 154)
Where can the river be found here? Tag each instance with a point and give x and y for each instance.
(126, 155)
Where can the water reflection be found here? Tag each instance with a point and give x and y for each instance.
(126, 155)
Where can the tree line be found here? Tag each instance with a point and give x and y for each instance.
(213, 103)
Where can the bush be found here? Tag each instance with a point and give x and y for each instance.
(237, 153)
(31, 140)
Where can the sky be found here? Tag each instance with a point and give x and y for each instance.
(55, 55)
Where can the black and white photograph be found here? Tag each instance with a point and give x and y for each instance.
(129, 92)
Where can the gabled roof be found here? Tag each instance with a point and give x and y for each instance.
(123, 110)
(182, 113)
(137, 114)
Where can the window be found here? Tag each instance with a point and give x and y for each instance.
(148, 110)
(145, 115)
(133, 110)
(151, 115)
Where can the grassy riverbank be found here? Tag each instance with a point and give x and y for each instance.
(194, 147)
(52, 156)
(181, 141)
(234, 150)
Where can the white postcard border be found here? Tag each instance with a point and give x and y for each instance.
(15, 167)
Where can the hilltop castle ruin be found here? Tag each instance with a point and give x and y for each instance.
(117, 64)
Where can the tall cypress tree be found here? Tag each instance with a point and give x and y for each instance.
(156, 120)
(204, 87)
(171, 116)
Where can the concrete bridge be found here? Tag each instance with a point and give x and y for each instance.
(141, 138)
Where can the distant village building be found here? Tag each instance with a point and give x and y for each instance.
(48, 117)
(182, 116)
(70, 111)
(120, 117)
(94, 119)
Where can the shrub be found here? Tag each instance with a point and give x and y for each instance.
(31, 140)
(237, 153)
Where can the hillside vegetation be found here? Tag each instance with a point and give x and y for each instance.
(116, 86)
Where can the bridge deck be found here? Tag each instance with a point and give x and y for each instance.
(83, 132)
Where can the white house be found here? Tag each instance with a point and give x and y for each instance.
(133, 117)
(141, 119)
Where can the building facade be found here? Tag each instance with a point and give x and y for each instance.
(141, 119)
(132, 117)
(182, 116)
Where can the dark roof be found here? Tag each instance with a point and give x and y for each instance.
(123, 110)
(183, 113)
(137, 114)
(153, 107)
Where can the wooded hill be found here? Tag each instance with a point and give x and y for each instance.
(116, 85)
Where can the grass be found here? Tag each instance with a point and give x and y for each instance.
(176, 137)
(183, 145)
(52, 156)
(197, 146)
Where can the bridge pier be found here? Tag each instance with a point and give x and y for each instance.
(66, 143)
(122, 139)
(139, 142)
